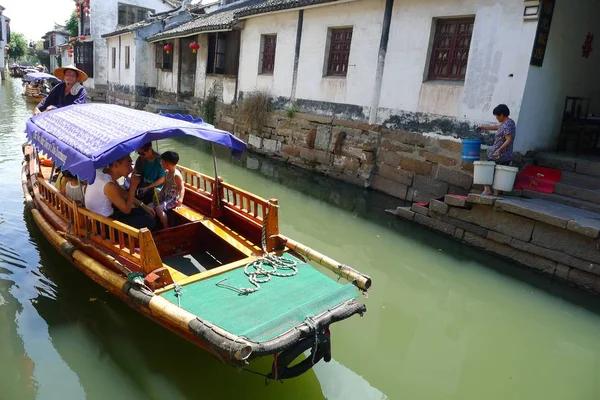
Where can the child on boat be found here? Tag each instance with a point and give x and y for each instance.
(173, 190)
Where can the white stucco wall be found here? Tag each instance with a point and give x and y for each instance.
(365, 17)
(565, 72)
(500, 47)
(145, 72)
(104, 18)
(284, 25)
(119, 74)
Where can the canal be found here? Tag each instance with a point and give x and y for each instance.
(444, 321)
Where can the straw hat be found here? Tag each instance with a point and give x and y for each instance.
(60, 73)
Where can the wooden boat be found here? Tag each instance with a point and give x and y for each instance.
(35, 86)
(222, 277)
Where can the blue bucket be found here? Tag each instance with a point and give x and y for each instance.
(471, 149)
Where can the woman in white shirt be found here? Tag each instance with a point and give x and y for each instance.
(107, 198)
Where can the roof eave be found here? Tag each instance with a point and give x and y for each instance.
(191, 32)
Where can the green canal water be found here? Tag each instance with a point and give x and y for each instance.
(444, 321)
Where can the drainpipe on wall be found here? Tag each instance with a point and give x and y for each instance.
(297, 54)
(383, 43)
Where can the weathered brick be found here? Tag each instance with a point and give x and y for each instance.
(413, 138)
(255, 141)
(459, 233)
(389, 157)
(419, 195)
(483, 199)
(474, 240)
(438, 206)
(390, 187)
(466, 226)
(356, 125)
(319, 156)
(406, 213)
(499, 237)
(585, 226)
(323, 137)
(531, 260)
(585, 280)
(293, 151)
(454, 177)
(487, 217)
(557, 256)
(562, 271)
(395, 174)
(453, 189)
(429, 185)
(435, 224)
(391, 145)
(565, 241)
(419, 209)
(439, 159)
(450, 145)
(456, 201)
(417, 166)
(321, 119)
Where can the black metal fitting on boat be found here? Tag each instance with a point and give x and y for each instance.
(137, 295)
(68, 248)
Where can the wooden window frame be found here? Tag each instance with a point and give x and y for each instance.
(454, 46)
(338, 53)
(114, 57)
(84, 57)
(127, 57)
(223, 46)
(162, 60)
(268, 49)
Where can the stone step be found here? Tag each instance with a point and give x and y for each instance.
(577, 192)
(581, 180)
(579, 164)
(558, 198)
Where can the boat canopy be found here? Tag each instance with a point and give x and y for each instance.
(40, 76)
(85, 137)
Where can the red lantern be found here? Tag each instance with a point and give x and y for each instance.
(81, 38)
(86, 9)
(194, 46)
(168, 48)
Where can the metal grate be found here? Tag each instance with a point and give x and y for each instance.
(450, 51)
(339, 51)
(268, 54)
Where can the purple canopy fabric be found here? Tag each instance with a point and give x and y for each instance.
(39, 76)
(85, 137)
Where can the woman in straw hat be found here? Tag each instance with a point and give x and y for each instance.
(66, 93)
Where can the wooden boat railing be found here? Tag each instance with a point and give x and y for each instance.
(137, 245)
(250, 206)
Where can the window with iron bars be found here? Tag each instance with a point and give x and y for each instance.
(450, 49)
(269, 43)
(339, 51)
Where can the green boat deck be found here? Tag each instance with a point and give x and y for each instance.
(279, 305)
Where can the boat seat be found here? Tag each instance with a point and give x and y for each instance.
(190, 214)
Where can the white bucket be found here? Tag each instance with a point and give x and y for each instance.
(505, 178)
(483, 172)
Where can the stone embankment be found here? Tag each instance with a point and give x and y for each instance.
(557, 240)
(410, 166)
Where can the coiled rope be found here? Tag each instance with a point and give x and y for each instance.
(262, 269)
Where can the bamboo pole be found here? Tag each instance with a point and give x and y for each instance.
(357, 278)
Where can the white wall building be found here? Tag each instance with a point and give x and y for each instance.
(131, 71)
(52, 42)
(91, 55)
(4, 40)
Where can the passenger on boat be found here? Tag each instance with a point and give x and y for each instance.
(107, 198)
(171, 195)
(66, 93)
(148, 165)
(72, 189)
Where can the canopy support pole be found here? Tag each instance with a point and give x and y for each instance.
(216, 204)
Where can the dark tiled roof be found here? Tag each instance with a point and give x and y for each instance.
(226, 17)
(277, 5)
(130, 28)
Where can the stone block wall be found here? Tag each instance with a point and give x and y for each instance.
(568, 252)
(410, 166)
(129, 96)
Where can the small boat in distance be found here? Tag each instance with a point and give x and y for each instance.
(221, 276)
(37, 85)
